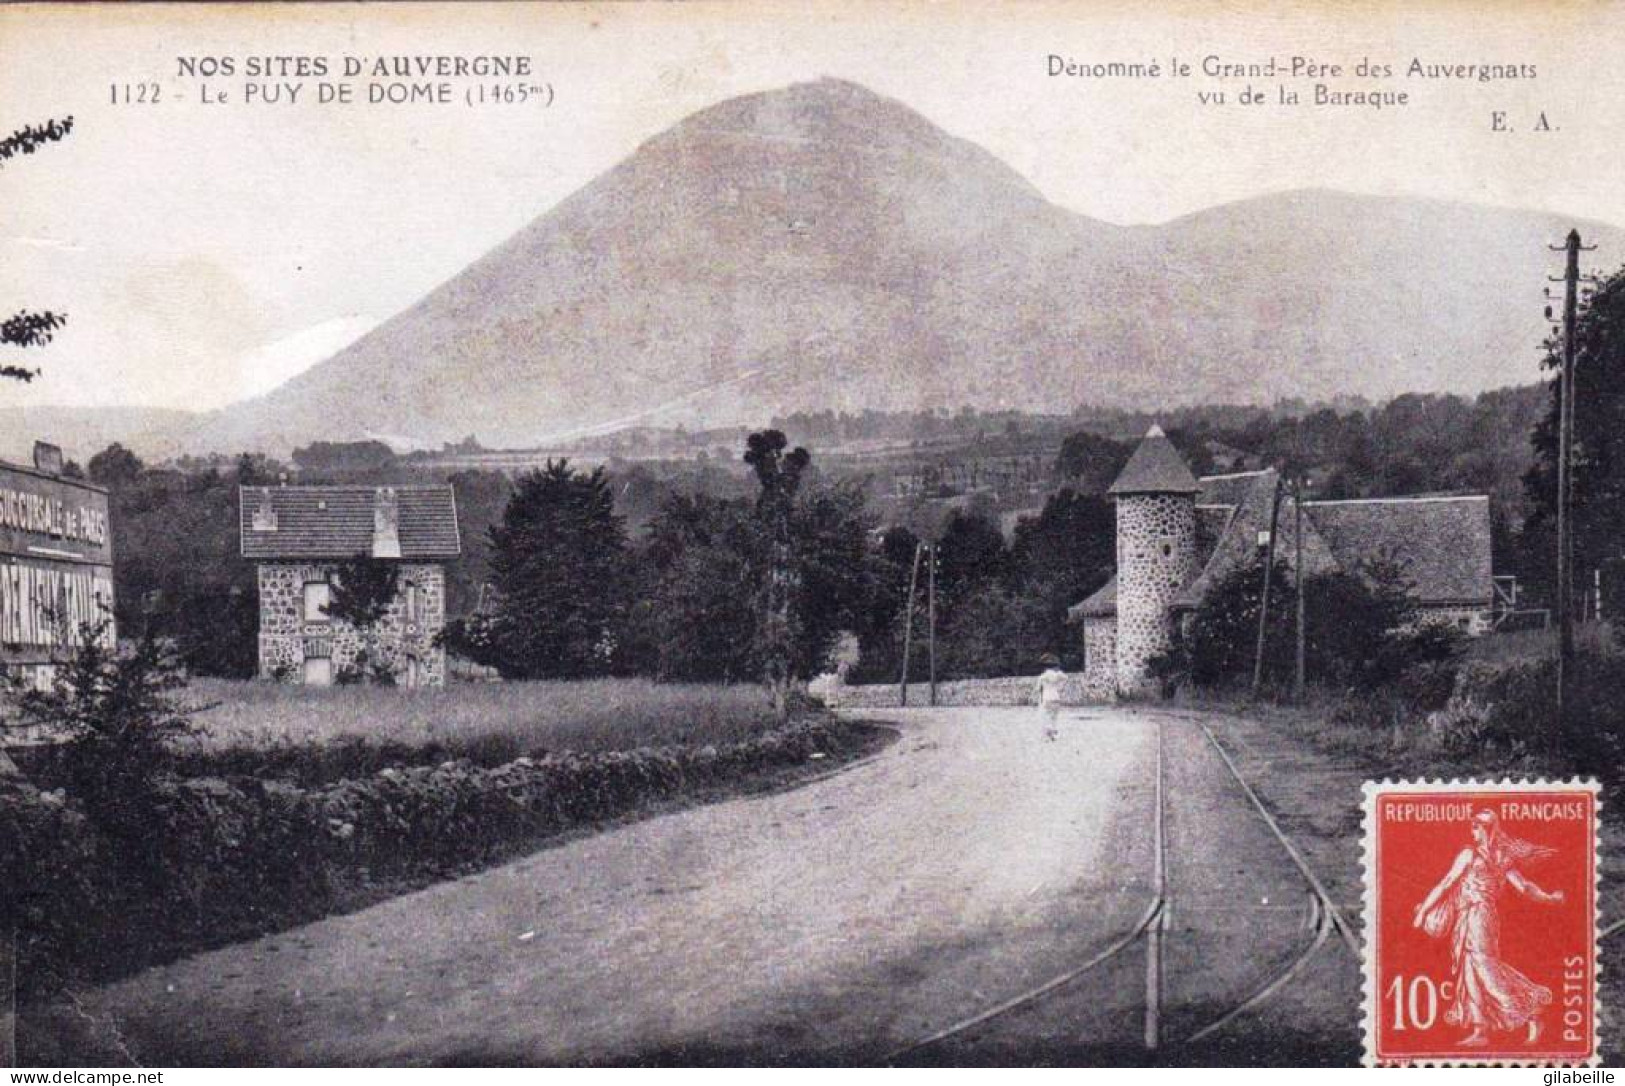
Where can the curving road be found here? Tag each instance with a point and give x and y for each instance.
(838, 922)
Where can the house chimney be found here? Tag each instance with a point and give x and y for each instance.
(265, 513)
(47, 458)
(386, 523)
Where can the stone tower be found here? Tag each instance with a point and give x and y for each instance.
(1156, 552)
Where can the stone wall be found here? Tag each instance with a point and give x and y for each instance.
(1474, 621)
(1099, 678)
(286, 640)
(1156, 558)
(1013, 690)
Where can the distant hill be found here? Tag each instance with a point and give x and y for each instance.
(84, 431)
(821, 246)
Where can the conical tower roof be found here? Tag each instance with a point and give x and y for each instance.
(1155, 468)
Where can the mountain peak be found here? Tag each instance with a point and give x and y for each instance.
(841, 118)
(821, 246)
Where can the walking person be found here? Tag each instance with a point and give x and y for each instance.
(1465, 908)
(1049, 695)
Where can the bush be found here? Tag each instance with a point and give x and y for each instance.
(1170, 668)
(1359, 634)
(1514, 708)
(235, 857)
(1593, 730)
(50, 858)
(115, 715)
(1222, 637)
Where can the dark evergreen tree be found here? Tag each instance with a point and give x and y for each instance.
(698, 609)
(1058, 558)
(708, 609)
(560, 567)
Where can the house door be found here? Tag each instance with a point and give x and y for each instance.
(319, 671)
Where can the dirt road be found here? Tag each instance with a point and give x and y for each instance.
(839, 921)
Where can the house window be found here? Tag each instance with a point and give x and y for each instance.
(414, 603)
(318, 594)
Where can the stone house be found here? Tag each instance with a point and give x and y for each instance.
(299, 537)
(1178, 535)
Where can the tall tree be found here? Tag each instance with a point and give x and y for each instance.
(1061, 556)
(560, 567)
(30, 328)
(115, 466)
(778, 472)
(697, 611)
(1598, 503)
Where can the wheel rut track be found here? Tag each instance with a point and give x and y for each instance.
(1325, 920)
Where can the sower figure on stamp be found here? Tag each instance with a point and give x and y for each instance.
(1049, 695)
(1489, 993)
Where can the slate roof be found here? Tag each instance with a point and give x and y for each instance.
(337, 521)
(1155, 468)
(1442, 544)
(1227, 489)
(1101, 604)
(1239, 542)
(1211, 523)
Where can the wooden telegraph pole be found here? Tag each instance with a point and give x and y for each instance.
(1264, 603)
(1298, 489)
(1565, 472)
(931, 619)
(908, 623)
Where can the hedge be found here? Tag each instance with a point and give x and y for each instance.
(221, 859)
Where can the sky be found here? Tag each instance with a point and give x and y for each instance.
(207, 252)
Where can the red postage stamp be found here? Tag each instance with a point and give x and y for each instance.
(1481, 922)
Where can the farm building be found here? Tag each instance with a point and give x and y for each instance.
(1178, 535)
(300, 537)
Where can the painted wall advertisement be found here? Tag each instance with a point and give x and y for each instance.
(56, 563)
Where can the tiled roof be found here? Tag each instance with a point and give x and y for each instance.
(339, 521)
(1101, 604)
(1442, 544)
(1155, 468)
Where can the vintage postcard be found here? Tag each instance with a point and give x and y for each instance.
(817, 534)
(1481, 913)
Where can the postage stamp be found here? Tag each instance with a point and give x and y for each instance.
(1481, 922)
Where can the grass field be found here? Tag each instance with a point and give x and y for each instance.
(337, 731)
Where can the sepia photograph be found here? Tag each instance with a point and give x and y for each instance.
(827, 534)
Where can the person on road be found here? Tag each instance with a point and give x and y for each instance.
(1049, 695)
(1465, 908)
